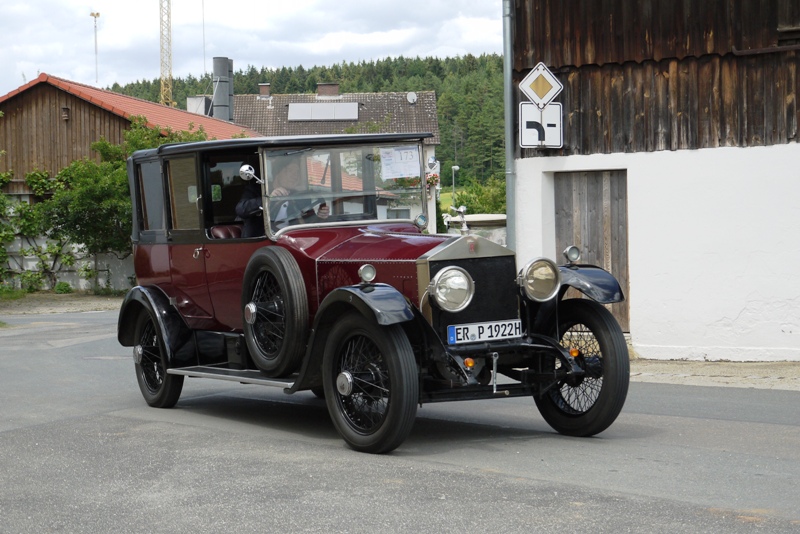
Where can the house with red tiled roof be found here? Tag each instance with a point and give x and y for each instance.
(51, 122)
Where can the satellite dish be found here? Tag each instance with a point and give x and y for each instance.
(412, 97)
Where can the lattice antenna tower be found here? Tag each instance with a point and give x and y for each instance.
(165, 10)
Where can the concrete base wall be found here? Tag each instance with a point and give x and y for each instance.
(713, 247)
(113, 273)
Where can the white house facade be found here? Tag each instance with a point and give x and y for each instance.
(713, 246)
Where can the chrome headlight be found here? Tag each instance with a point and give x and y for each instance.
(540, 279)
(452, 289)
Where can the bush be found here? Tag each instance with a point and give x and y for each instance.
(483, 198)
(31, 281)
(62, 288)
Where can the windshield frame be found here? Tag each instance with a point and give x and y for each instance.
(349, 178)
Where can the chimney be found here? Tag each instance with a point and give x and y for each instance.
(263, 90)
(328, 89)
(221, 101)
(230, 90)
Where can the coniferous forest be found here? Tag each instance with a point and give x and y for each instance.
(469, 94)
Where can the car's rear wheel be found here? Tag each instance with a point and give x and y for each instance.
(275, 311)
(371, 383)
(588, 405)
(158, 388)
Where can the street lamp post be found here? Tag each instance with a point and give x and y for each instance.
(453, 200)
(94, 15)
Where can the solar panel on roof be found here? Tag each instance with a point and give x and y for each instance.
(323, 111)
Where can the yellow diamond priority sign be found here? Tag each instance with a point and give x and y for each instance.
(540, 85)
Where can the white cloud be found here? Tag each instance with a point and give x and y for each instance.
(57, 36)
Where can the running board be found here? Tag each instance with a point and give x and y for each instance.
(233, 375)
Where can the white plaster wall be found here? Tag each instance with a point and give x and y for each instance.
(714, 247)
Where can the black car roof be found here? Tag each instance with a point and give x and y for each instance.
(277, 142)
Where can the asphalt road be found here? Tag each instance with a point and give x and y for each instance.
(80, 451)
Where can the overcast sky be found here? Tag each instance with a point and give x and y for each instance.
(57, 36)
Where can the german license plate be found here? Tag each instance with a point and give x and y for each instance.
(477, 332)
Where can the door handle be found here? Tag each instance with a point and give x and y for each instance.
(197, 252)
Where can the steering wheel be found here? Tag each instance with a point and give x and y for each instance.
(296, 214)
(309, 213)
(312, 208)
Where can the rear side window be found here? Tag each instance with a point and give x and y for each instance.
(183, 193)
(151, 193)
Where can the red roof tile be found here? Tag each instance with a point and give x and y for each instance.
(128, 106)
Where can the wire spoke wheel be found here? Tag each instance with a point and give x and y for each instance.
(152, 368)
(275, 311)
(371, 383)
(365, 407)
(158, 388)
(577, 397)
(587, 404)
(270, 325)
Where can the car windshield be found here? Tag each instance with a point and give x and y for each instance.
(335, 184)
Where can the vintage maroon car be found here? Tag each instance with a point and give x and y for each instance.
(331, 285)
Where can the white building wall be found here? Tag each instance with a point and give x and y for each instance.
(713, 241)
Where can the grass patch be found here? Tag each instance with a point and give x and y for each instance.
(8, 293)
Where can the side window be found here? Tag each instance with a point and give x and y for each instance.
(151, 193)
(226, 186)
(183, 193)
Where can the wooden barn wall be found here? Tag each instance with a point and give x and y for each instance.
(35, 137)
(648, 75)
(595, 32)
(679, 104)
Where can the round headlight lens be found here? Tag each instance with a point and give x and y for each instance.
(540, 280)
(452, 289)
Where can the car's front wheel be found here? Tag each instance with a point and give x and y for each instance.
(587, 405)
(371, 383)
(158, 388)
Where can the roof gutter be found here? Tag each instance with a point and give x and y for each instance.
(508, 87)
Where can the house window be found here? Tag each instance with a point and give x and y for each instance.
(398, 213)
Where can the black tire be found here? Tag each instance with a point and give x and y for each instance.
(590, 404)
(277, 338)
(375, 403)
(159, 389)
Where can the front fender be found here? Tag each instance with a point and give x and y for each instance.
(594, 282)
(381, 302)
(173, 330)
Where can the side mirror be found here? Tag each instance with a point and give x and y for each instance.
(247, 173)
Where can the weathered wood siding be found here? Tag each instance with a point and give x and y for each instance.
(36, 137)
(648, 75)
(595, 32)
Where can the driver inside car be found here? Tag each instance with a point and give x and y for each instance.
(288, 183)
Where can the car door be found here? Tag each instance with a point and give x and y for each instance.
(187, 253)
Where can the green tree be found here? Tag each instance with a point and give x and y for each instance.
(90, 202)
(469, 92)
(489, 197)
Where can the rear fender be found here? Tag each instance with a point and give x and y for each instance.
(171, 327)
